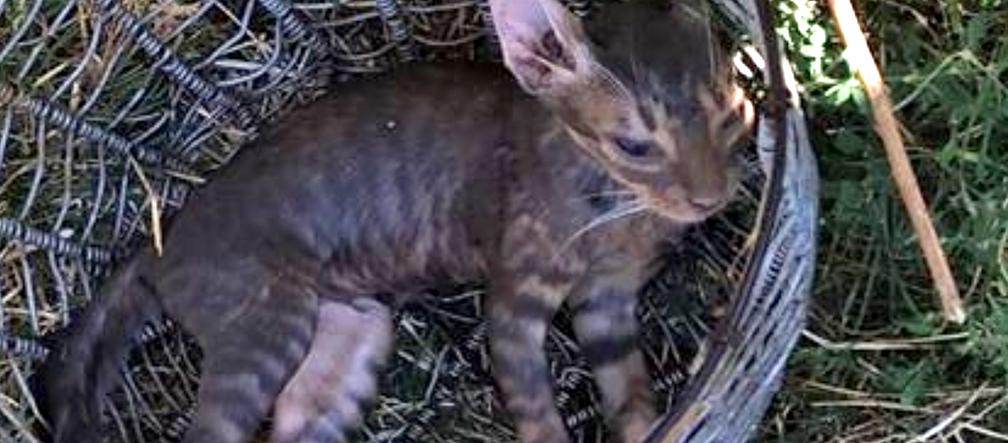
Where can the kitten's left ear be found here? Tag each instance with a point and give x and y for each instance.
(544, 45)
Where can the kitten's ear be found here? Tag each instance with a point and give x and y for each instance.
(543, 44)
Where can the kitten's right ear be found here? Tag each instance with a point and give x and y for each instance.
(543, 44)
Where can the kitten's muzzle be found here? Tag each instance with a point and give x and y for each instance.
(705, 204)
(688, 211)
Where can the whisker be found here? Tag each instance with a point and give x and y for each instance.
(630, 209)
(612, 80)
(611, 193)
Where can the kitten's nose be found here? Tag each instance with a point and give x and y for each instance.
(704, 203)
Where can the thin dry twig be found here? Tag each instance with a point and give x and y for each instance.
(874, 404)
(906, 182)
(948, 420)
(155, 206)
(890, 344)
(1000, 436)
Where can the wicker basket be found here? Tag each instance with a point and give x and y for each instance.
(112, 110)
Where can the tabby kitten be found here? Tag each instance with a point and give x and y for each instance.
(560, 187)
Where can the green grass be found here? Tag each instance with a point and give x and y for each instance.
(878, 363)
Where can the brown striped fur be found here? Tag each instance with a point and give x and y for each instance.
(560, 188)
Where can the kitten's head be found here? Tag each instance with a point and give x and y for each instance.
(644, 89)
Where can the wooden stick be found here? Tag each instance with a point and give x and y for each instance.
(906, 182)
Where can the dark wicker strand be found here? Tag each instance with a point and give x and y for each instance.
(15, 230)
(71, 123)
(23, 347)
(492, 41)
(293, 26)
(401, 35)
(153, 331)
(172, 66)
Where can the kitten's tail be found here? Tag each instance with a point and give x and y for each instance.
(83, 364)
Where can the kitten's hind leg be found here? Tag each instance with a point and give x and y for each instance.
(248, 357)
(323, 401)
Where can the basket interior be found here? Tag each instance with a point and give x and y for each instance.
(179, 86)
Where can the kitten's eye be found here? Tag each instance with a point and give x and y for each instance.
(633, 148)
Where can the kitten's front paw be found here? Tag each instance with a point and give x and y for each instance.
(634, 422)
(635, 430)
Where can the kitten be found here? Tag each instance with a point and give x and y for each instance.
(560, 187)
